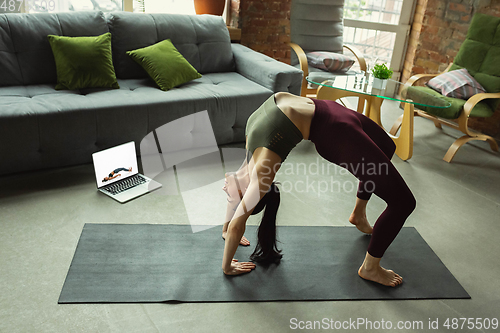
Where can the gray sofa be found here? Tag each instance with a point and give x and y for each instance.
(41, 127)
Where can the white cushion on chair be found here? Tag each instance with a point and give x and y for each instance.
(457, 84)
(330, 61)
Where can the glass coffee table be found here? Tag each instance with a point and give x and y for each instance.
(362, 86)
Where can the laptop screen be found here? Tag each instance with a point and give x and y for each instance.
(114, 164)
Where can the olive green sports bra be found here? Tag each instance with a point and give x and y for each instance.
(269, 127)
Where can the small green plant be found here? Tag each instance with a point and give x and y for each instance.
(380, 71)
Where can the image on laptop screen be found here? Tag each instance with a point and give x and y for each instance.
(114, 164)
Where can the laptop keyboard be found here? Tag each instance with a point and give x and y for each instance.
(125, 184)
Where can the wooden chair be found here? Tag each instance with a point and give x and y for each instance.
(317, 25)
(480, 54)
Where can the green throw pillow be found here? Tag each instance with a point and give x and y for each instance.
(83, 62)
(165, 65)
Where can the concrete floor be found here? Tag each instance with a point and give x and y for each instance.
(458, 207)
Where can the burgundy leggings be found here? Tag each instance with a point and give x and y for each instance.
(353, 141)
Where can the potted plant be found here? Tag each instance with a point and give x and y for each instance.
(380, 75)
(212, 7)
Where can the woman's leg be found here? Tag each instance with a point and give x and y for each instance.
(365, 160)
(386, 144)
(389, 186)
(244, 241)
(386, 183)
(339, 136)
(380, 138)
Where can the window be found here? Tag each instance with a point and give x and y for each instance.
(379, 29)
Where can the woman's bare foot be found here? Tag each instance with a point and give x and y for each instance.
(361, 222)
(244, 241)
(358, 217)
(371, 270)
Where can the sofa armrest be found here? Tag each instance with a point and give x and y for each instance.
(266, 71)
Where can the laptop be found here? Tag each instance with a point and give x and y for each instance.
(117, 173)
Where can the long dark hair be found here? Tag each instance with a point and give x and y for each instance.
(266, 251)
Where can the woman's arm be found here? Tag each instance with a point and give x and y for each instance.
(236, 185)
(230, 211)
(236, 229)
(260, 182)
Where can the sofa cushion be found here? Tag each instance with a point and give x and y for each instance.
(83, 62)
(202, 39)
(457, 84)
(229, 98)
(329, 61)
(25, 50)
(165, 65)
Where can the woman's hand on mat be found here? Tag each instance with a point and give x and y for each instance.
(238, 268)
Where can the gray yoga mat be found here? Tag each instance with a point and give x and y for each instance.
(140, 263)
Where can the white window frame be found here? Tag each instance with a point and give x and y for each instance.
(402, 30)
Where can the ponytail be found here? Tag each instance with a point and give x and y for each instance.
(266, 250)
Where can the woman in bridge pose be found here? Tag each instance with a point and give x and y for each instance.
(113, 174)
(341, 136)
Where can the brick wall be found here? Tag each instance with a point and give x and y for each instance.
(265, 26)
(438, 30)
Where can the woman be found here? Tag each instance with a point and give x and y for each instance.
(113, 174)
(341, 136)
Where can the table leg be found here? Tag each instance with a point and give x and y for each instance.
(404, 142)
(373, 109)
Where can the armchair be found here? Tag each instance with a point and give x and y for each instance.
(317, 25)
(480, 55)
